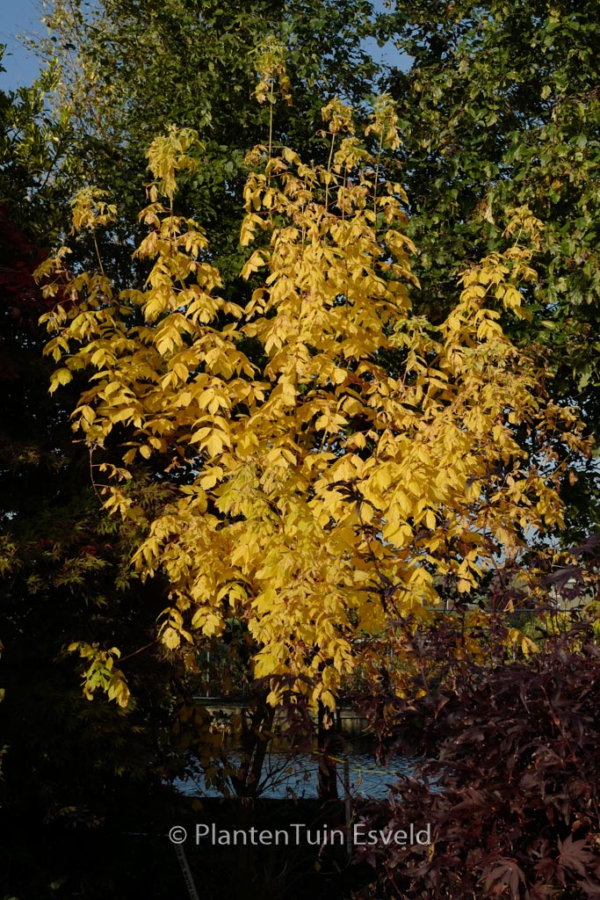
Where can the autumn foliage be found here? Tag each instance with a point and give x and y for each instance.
(319, 439)
(507, 778)
(331, 455)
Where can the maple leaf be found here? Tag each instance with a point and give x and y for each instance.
(575, 854)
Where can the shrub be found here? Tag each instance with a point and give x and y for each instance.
(509, 783)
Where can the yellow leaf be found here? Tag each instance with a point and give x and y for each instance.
(171, 638)
(61, 376)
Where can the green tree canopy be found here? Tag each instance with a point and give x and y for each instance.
(501, 108)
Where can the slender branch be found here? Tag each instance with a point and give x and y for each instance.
(141, 650)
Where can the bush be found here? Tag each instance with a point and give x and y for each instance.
(510, 785)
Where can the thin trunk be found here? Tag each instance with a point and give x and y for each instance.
(327, 779)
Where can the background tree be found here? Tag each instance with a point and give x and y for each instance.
(499, 108)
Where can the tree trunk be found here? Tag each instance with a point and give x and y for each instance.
(327, 779)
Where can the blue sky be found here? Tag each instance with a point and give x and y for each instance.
(18, 16)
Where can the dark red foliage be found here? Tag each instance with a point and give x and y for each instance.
(19, 294)
(511, 782)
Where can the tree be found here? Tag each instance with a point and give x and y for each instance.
(500, 108)
(487, 125)
(314, 494)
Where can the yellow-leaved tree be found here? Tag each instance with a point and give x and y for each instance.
(331, 455)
